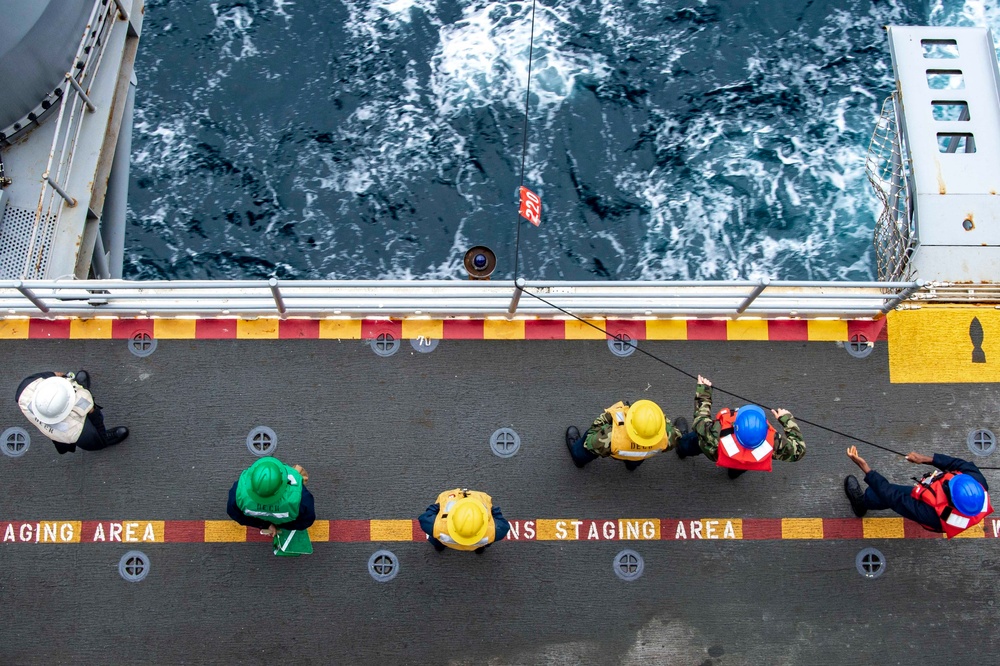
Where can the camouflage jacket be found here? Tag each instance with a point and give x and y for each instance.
(789, 447)
(597, 439)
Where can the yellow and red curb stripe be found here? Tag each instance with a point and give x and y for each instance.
(777, 330)
(540, 529)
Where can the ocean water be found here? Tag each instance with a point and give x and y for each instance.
(700, 139)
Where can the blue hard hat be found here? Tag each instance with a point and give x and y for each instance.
(750, 426)
(966, 494)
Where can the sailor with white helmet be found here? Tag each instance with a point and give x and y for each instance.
(61, 406)
(626, 432)
(463, 519)
(740, 440)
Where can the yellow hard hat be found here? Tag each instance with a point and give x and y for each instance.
(645, 423)
(468, 521)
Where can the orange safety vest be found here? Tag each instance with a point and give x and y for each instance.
(624, 448)
(930, 491)
(734, 455)
(446, 500)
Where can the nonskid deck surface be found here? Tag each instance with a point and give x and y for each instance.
(381, 437)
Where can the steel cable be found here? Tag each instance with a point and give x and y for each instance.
(524, 145)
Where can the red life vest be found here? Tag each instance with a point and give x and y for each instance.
(930, 491)
(734, 455)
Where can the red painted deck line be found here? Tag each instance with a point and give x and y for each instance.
(542, 529)
(452, 329)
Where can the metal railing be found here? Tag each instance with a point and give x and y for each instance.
(895, 236)
(452, 298)
(74, 103)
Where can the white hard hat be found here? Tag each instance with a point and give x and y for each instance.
(53, 400)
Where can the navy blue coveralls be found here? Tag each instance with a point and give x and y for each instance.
(884, 495)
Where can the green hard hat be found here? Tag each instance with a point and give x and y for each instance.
(267, 476)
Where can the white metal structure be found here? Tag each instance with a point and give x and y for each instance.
(948, 88)
(451, 298)
(52, 210)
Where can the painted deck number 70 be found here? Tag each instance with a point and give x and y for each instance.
(531, 206)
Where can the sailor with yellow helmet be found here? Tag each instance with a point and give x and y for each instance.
(464, 520)
(627, 432)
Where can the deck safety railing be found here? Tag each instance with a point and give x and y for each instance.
(74, 103)
(452, 298)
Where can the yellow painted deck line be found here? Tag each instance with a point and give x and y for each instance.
(801, 528)
(883, 528)
(391, 530)
(747, 330)
(827, 330)
(936, 345)
(666, 329)
(429, 329)
(349, 329)
(176, 329)
(14, 329)
(220, 531)
(257, 329)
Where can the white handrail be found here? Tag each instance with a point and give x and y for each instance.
(451, 298)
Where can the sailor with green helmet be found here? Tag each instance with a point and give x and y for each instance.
(269, 494)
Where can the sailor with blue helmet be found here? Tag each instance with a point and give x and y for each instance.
(740, 440)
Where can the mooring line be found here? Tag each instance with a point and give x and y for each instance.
(619, 338)
(524, 145)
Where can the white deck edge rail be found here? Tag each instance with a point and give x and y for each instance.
(453, 298)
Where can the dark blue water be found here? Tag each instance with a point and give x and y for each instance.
(382, 138)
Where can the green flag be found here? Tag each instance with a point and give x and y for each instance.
(292, 543)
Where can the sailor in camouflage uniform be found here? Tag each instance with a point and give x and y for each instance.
(740, 440)
(627, 432)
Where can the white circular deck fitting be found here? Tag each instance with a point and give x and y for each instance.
(859, 346)
(505, 442)
(628, 565)
(622, 345)
(870, 563)
(262, 441)
(982, 442)
(385, 344)
(14, 442)
(134, 566)
(142, 343)
(383, 566)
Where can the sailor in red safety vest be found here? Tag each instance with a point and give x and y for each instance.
(740, 440)
(950, 500)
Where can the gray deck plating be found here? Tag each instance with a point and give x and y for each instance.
(380, 437)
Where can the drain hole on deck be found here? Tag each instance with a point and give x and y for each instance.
(383, 566)
(424, 345)
(262, 441)
(622, 345)
(870, 563)
(859, 346)
(134, 566)
(982, 442)
(142, 343)
(628, 565)
(505, 442)
(385, 345)
(14, 442)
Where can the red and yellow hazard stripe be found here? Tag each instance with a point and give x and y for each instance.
(539, 529)
(800, 330)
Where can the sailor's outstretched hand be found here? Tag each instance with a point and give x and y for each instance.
(852, 453)
(778, 413)
(302, 472)
(705, 380)
(919, 458)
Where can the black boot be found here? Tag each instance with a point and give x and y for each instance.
(852, 488)
(439, 547)
(82, 378)
(572, 435)
(480, 550)
(735, 473)
(117, 435)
